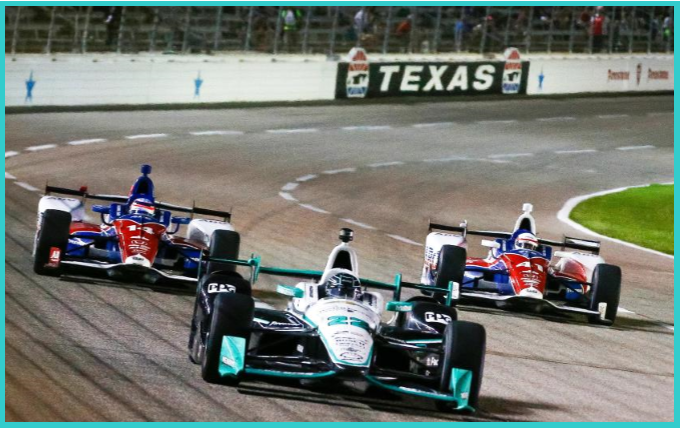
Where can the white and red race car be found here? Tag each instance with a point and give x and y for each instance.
(522, 271)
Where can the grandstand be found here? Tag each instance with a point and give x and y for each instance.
(332, 30)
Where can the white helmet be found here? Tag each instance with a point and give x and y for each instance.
(526, 241)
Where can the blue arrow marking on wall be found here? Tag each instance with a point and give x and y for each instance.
(197, 84)
(30, 84)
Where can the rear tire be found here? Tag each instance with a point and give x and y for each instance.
(232, 316)
(54, 231)
(606, 289)
(451, 267)
(224, 244)
(464, 348)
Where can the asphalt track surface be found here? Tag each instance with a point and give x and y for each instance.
(81, 349)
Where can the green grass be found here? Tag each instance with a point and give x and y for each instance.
(642, 216)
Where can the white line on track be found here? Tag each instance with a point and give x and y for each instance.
(660, 113)
(449, 159)
(383, 164)
(510, 155)
(313, 208)
(358, 224)
(90, 141)
(290, 186)
(627, 148)
(366, 128)
(405, 240)
(41, 147)
(575, 152)
(432, 125)
(496, 122)
(9, 176)
(287, 196)
(292, 131)
(338, 171)
(556, 119)
(26, 186)
(625, 311)
(306, 177)
(563, 216)
(612, 116)
(209, 133)
(10, 154)
(145, 136)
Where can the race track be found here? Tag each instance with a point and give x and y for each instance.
(81, 349)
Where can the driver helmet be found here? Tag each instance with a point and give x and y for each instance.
(344, 286)
(526, 241)
(142, 206)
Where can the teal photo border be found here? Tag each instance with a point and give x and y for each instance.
(313, 3)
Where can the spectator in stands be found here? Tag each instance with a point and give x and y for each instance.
(112, 22)
(667, 29)
(260, 28)
(291, 18)
(403, 33)
(598, 28)
(363, 23)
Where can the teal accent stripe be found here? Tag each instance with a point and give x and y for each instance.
(461, 383)
(232, 355)
(293, 375)
(426, 394)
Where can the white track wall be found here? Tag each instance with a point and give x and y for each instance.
(102, 80)
(600, 74)
(72, 80)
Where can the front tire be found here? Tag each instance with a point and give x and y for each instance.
(54, 231)
(224, 244)
(606, 289)
(464, 348)
(451, 267)
(232, 316)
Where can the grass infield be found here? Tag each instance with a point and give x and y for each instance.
(642, 216)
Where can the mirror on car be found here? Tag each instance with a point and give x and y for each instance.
(181, 220)
(289, 291)
(101, 209)
(490, 244)
(399, 306)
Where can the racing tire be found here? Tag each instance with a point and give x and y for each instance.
(54, 232)
(224, 244)
(464, 348)
(203, 293)
(606, 288)
(451, 267)
(232, 316)
(195, 337)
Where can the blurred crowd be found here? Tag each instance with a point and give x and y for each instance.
(329, 29)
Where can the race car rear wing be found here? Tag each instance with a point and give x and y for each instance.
(256, 269)
(567, 242)
(226, 215)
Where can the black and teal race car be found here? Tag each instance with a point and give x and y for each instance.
(333, 330)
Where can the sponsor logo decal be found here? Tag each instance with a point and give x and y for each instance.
(437, 318)
(512, 72)
(357, 74)
(657, 74)
(55, 257)
(215, 287)
(617, 75)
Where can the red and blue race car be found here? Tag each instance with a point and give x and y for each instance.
(522, 271)
(136, 240)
